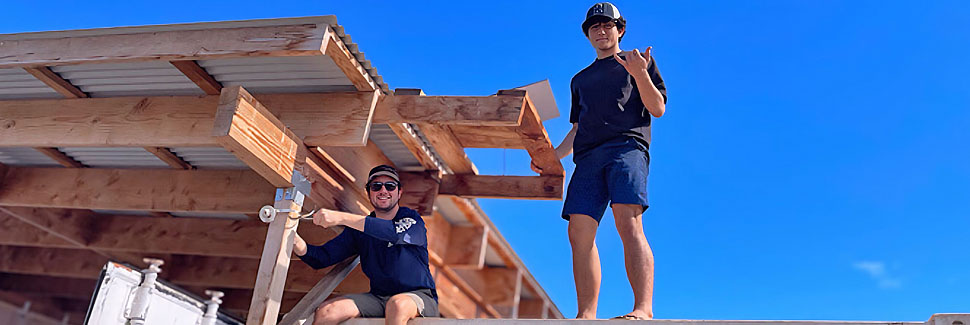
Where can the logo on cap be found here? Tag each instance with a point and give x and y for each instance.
(598, 8)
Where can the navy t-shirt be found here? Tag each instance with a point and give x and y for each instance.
(393, 253)
(606, 104)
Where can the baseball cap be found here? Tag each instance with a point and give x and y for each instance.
(383, 170)
(602, 9)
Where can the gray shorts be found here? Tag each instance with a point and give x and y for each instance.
(371, 305)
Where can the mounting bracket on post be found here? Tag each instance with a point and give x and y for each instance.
(297, 194)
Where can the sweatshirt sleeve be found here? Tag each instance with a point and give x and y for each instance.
(407, 230)
(330, 253)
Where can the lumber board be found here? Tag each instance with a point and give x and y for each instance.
(274, 265)
(408, 107)
(506, 187)
(341, 56)
(419, 191)
(309, 303)
(164, 190)
(466, 247)
(303, 39)
(248, 130)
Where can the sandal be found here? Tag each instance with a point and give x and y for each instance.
(629, 317)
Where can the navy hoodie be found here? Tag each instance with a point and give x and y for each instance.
(393, 253)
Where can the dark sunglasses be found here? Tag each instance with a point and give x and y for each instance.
(376, 186)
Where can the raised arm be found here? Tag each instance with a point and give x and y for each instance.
(644, 70)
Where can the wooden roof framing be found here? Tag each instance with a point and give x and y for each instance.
(221, 94)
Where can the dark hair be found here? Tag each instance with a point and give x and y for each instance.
(620, 24)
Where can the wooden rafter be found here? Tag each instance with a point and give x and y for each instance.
(53, 80)
(341, 56)
(199, 76)
(169, 157)
(59, 157)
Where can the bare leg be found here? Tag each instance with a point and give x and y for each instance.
(334, 311)
(637, 255)
(586, 263)
(400, 308)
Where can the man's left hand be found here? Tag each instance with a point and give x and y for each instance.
(635, 63)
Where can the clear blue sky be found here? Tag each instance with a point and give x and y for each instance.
(813, 162)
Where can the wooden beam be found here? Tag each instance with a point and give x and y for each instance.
(52, 310)
(533, 308)
(448, 147)
(505, 187)
(199, 76)
(184, 42)
(419, 191)
(487, 136)
(309, 303)
(274, 264)
(182, 270)
(325, 119)
(320, 119)
(248, 130)
(60, 157)
(53, 80)
(454, 280)
(138, 234)
(120, 121)
(466, 247)
(229, 191)
(501, 247)
(500, 287)
(534, 137)
(47, 286)
(169, 158)
(341, 56)
(66, 226)
(415, 145)
(406, 132)
(411, 106)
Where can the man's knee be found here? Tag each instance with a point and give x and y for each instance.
(629, 221)
(582, 229)
(335, 311)
(401, 305)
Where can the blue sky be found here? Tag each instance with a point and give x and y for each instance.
(813, 162)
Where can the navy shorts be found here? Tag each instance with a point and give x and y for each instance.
(611, 173)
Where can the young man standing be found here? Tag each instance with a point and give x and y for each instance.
(393, 247)
(613, 100)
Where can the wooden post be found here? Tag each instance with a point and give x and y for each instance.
(275, 261)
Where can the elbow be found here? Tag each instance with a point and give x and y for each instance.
(659, 111)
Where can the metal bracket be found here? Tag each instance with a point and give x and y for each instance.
(297, 193)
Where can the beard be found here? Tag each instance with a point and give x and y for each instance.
(383, 209)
